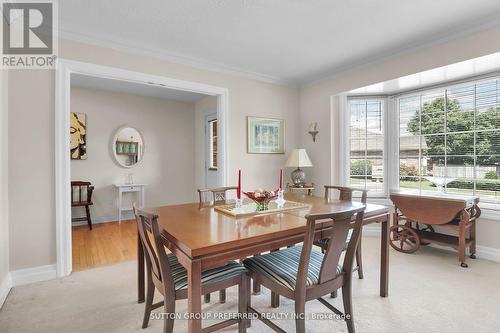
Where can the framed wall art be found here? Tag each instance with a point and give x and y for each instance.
(266, 135)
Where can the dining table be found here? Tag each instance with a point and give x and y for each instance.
(202, 237)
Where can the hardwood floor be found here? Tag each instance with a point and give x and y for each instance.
(107, 244)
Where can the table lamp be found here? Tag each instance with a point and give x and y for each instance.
(298, 158)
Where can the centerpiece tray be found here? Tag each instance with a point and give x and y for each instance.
(249, 208)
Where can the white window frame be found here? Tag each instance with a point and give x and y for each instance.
(345, 152)
(391, 139)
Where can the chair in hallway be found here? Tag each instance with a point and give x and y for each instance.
(81, 196)
(303, 274)
(170, 278)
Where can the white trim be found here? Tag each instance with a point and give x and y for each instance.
(5, 287)
(62, 140)
(488, 253)
(129, 47)
(32, 275)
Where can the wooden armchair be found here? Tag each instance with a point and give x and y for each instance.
(170, 278)
(83, 199)
(302, 274)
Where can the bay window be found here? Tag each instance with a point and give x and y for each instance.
(444, 139)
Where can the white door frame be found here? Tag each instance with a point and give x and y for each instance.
(208, 115)
(62, 138)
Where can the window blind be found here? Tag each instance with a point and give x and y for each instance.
(449, 139)
(366, 145)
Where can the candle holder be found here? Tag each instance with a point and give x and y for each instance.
(280, 200)
(238, 205)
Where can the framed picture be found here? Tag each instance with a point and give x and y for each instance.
(78, 134)
(266, 135)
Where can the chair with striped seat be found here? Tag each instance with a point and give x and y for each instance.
(303, 274)
(345, 193)
(170, 278)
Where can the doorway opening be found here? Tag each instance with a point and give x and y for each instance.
(135, 144)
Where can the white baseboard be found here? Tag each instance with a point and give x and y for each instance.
(488, 253)
(32, 275)
(371, 230)
(105, 219)
(482, 252)
(5, 286)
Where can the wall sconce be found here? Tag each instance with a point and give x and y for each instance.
(313, 130)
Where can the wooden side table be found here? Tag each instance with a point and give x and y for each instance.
(126, 188)
(307, 187)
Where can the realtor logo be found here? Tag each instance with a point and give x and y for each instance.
(28, 39)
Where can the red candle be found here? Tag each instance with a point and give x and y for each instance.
(238, 192)
(281, 179)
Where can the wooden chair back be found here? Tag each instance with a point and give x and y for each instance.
(156, 256)
(345, 193)
(342, 223)
(81, 193)
(218, 195)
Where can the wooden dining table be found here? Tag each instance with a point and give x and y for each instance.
(203, 238)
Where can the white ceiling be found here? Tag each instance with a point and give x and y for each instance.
(134, 88)
(290, 41)
(449, 73)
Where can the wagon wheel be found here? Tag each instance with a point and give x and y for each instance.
(404, 239)
(427, 228)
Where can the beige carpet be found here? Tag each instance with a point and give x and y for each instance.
(429, 292)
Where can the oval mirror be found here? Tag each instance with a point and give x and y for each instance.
(128, 146)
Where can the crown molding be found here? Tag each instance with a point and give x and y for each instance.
(129, 47)
(437, 39)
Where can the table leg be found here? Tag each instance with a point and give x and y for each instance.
(384, 258)
(194, 297)
(140, 271)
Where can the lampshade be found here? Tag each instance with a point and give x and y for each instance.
(298, 158)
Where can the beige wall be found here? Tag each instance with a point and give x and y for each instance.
(315, 103)
(31, 139)
(167, 127)
(4, 183)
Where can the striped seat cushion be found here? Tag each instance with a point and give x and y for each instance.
(283, 265)
(324, 241)
(180, 277)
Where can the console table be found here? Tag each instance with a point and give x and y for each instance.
(127, 188)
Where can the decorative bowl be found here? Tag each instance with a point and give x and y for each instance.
(262, 198)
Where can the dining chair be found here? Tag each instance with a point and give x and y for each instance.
(218, 195)
(303, 274)
(83, 198)
(345, 193)
(170, 278)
